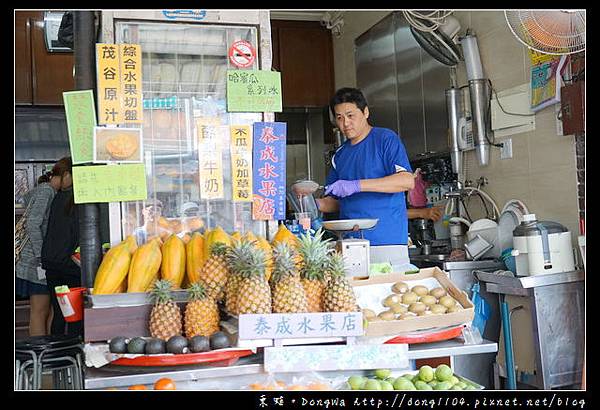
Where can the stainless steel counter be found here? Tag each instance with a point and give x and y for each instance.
(248, 369)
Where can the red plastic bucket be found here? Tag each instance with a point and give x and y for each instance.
(71, 304)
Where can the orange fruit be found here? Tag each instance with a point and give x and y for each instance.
(164, 384)
(137, 387)
(318, 386)
(296, 387)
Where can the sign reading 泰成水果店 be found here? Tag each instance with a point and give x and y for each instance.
(268, 166)
(253, 91)
(300, 325)
(81, 120)
(109, 183)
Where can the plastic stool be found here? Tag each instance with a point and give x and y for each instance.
(62, 355)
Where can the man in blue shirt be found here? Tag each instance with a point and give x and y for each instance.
(370, 172)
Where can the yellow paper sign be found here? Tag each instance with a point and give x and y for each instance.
(131, 81)
(241, 162)
(210, 162)
(109, 84)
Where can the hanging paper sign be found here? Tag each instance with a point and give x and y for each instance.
(253, 91)
(242, 54)
(119, 78)
(545, 79)
(109, 183)
(269, 170)
(241, 162)
(210, 162)
(131, 80)
(81, 120)
(109, 84)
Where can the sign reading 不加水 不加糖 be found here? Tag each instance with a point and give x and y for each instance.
(119, 78)
(109, 183)
(268, 170)
(81, 121)
(253, 91)
(241, 162)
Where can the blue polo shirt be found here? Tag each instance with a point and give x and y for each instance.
(380, 154)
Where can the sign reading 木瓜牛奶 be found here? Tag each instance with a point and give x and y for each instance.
(300, 325)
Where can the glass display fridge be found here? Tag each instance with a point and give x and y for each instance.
(184, 65)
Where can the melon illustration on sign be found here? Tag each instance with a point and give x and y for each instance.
(242, 54)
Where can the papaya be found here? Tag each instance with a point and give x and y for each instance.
(186, 238)
(112, 270)
(172, 267)
(214, 236)
(283, 234)
(194, 257)
(131, 243)
(144, 267)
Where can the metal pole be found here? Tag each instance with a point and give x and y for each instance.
(84, 35)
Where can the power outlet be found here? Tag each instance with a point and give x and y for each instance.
(506, 150)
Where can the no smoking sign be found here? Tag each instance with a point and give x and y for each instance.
(242, 54)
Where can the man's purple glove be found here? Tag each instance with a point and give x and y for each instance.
(342, 188)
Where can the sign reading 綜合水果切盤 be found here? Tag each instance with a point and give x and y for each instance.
(81, 121)
(268, 168)
(109, 183)
(253, 91)
(300, 325)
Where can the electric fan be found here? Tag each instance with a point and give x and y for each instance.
(549, 31)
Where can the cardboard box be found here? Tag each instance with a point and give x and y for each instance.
(371, 292)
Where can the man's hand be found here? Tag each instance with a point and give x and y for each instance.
(434, 213)
(342, 188)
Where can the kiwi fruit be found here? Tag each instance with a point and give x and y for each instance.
(420, 290)
(409, 297)
(417, 307)
(400, 287)
(374, 319)
(428, 300)
(438, 309)
(391, 300)
(387, 315)
(437, 292)
(368, 313)
(424, 313)
(405, 316)
(399, 308)
(447, 301)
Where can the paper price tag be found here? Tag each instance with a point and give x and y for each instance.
(65, 305)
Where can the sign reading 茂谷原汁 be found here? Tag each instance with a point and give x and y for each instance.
(300, 325)
(109, 183)
(119, 78)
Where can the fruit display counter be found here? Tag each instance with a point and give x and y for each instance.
(249, 371)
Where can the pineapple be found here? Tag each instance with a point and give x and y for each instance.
(288, 294)
(165, 317)
(314, 256)
(248, 261)
(214, 273)
(231, 291)
(339, 295)
(201, 313)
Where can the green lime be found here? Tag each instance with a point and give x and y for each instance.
(443, 373)
(426, 373)
(403, 384)
(442, 386)
(372, 384)
(356, 382)
(382, 374)
(421, 385)
(385, 385)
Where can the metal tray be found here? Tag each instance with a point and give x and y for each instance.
(348, 224)
(129, 299)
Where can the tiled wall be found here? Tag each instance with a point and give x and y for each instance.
(543, 172)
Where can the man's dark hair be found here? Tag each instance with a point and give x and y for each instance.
(348, 95)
